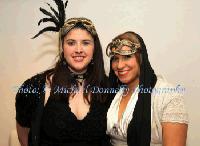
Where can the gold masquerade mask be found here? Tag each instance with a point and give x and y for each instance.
(70, 23)
(118, 44)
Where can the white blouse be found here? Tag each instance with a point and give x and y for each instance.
(167, 105)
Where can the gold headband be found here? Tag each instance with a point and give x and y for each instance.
(118, 44)
(70, 23)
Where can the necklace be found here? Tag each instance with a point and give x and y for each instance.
(79, 77)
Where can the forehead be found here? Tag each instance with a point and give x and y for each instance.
(78, 33)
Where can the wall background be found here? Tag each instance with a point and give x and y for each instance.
(169, 29)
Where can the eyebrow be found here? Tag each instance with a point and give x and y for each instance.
(88, 40)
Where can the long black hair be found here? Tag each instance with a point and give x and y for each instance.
(139, 129)
(96, 76)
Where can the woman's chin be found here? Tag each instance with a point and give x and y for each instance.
(78, 69)
(124, 81)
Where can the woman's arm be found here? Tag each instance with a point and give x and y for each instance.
(174, 134)
(22, 133)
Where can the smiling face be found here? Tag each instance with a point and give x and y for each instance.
(126, 67)
(78, 48)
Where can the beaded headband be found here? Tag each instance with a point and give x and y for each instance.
(118, 44)
(70, 23)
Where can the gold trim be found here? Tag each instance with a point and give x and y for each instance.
(118, 44)
(70, 23)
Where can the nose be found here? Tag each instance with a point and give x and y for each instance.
(79, 48)
(120, 64)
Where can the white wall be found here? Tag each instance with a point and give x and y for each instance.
(169, 29)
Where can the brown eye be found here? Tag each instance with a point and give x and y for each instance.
(115, 58)
(70, 43)
(127, 57)
(86, 43)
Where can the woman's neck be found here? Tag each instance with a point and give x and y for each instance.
(133, 85)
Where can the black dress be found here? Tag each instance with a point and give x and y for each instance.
(55, 124)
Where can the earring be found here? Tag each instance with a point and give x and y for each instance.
(117, 81)
(64, 62)
(92, 62)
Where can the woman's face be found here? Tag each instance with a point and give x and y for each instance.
(78, 48)
(126, 67)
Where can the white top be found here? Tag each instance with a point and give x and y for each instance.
(167, 105)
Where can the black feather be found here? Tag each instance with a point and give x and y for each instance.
(58, 3)
(66, 3)
(55, 12)
(61, 9)
(62, 13)
(50, 28)
(47, 13)
(50, 20)
(57, 17)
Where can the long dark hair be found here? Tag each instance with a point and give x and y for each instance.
(139, 129)
(96, 76)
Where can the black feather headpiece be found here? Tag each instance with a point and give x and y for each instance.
(57, 17)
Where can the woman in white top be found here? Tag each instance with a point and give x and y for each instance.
(148, 111)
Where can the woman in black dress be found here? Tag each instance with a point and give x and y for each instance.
(58, 107)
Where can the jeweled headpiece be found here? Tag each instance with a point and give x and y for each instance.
(71, 22)
(118, 44)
